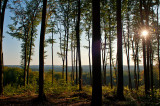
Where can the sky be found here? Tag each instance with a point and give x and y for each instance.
(12, 48)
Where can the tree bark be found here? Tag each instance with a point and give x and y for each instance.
(158, 41)
(67, 29)
(89, 55)
(144, 49)
(52, 57)
(2, 14)
(138, 70)
(30, 53)
(41, 53)
(110, 48)
(148, 49)
(25, 57)
(120, 95)
(96, 55)
(76, 68)
(128, 57)
(78, 45)
(104, 64)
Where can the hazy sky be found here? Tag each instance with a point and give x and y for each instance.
(12, 48)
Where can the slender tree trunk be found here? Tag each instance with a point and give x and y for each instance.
(110, 48)
(148, 43)
(2, 14)
(63, 70)
(64, 55)
(41, 53)
(104, 69)
(135, 62)
(151, 58)
(25, 57)
(72, 59)
(102, 51)
(119, 53)
(78, 45)
(74, 62)
(52, 57)
(138, 70)
(89, 55)
(134, 58)
(116, 72)
(158, 41)
(76, 68)
(96, 55)
(67, 43)
(59, 30)
(151, 67)
(128, 57)
(127, 54)
(30, 53)
(144, 49)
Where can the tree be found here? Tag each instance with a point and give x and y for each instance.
(120, 95)
(52, 41)
(20, 30)
(25, 20)
(78, 44)
(158, 40)
(33, 8)
(2, 14)
(96, 55)
(41, 52)
(147, 9)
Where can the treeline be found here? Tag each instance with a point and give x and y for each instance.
(14, 76)
(133, 24)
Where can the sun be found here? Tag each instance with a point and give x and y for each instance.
(144, 33)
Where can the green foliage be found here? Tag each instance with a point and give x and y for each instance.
(13, 76)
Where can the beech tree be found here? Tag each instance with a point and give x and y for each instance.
(96, 54)
(120, 95)
(41, 53)
(3, 4)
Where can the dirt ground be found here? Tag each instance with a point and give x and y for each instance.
(52, 100)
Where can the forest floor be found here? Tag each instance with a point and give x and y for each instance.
(74, 99)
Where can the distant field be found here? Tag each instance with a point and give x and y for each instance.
(58, 68)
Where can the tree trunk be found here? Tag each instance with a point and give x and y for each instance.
(147, 43)
(128, 57)
(64, 54)
(104, 64)
(110, 48)
(144, 50)
(158, 41)
(2, 14)
(138, 70)
(76, 68)
(41, 53)
(30, 53)
(67, 43)
(127, 54)
(52, 57)
(78, 45)
(151, 67)
(72, 75)
(74, 61)
(96, 55)
(135, 68)
(120, 95)
(25, 57)
(89, 55)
